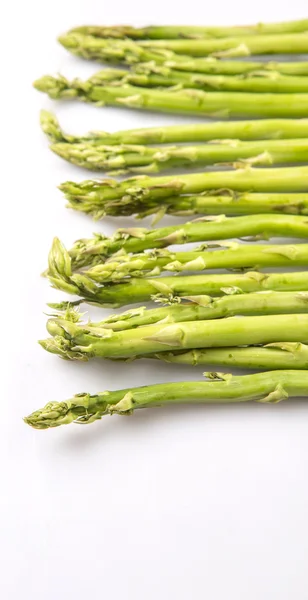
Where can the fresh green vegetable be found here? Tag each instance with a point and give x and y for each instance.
(233, 256)
(264, 129)
(288, 355)
(118, 51)
(289, 43)
(134, 290)
(202, 308)
(214, 104)
(223, 201)
(92, 251)
(153, 76)
(82, 341)
(271, 386)
(191, 31)
(143, 159)
(93, 196)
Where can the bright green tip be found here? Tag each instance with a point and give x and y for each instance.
(68, 41)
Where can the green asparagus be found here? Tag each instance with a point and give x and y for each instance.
(155, 76)
(191, 31)
(271, 386)
(289, 43)
(135, 290)
(151, 76)
(211, 104)
(223, 201)
(82, 341)
(153, 263)
(143, 159)
(131, 53)
(86, 252)
(195, 132)
(201, 308)
(288, 355)
(91, 196)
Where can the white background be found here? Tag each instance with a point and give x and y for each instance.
(195, 502)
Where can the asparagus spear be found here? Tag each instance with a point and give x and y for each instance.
(151, 76)
(92, 196)
(190, 31)
(155, 76)
(82, 341)
(92, 251)
(153, 263)
(223, 201)
(289, 355)
(143, 159)
(213, 104)
(195, 132)
(200, 308)
(129, 52)
(289, 43)
(271, 386)
(136, 290)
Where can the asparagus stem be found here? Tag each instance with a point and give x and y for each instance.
(191, 31)
(224, 202)
(129, 52)
(142, 159)
(201, 308)
(82, 341)
(144, 289)
(195, 132)
(289, 43)
(289, 355)
(229, 203)
(212, 104)
(271, 386)
(92, 251)
(92, 196)
(151, 76)
(155, 262)
(154, 76)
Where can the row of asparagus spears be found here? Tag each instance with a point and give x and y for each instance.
(180, 69)
(187, 75)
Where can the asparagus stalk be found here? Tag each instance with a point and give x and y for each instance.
(155, 76)
(289, 355)
(151, 76)
(129, 52)
(142, 189)
(190, 31)
(201, 308)
(92, 251)
(153, 263)
(289, 43)
(195, 132)
(270, 386)
(224, 202)
(214, 104)
(143, 159)
(136, 290)
(82, 341)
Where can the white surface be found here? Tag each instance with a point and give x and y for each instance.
(183, 503)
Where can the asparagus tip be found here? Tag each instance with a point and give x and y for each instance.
(52, 415)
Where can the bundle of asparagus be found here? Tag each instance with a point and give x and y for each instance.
(179, 69)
